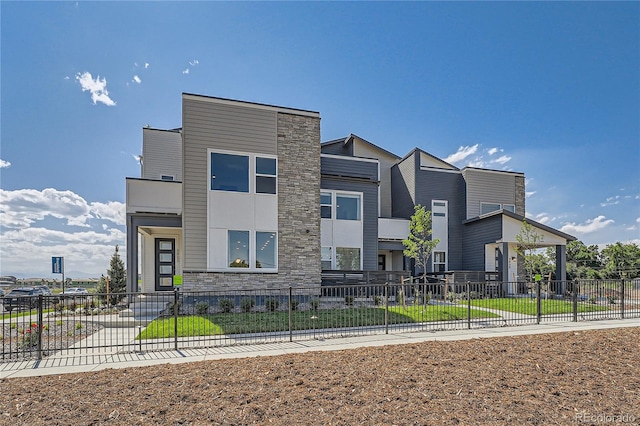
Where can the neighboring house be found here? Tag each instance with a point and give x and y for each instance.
(244, 196)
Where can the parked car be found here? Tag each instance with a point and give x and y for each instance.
(21, 298)
(45, 290)
(75, 291)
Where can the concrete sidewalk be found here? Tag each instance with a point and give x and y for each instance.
(96, 362)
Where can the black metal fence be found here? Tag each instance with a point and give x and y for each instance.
(101, 325)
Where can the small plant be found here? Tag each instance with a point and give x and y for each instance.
(59, 323)
(400, 297)
(611, 299)
(247, 304)
(348, 300)
(13, 325)
(592, 300)
(174, 308)
(29, 335)
(202, 308)
(78, 325)
(294, 304)
(70, 333)
(226, 305)
(271, 304)
(315, 304)
(427, 298)
(377, 300)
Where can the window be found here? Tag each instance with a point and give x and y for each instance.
(166, 177)
(347, 207)
(440, 214)
(265, 175)
(509, 207)
(489, 207)
(326, 258)
(266, 250)
(439, 204)
(238, 249)
(439, 261)
(229, 172)
(325, 205)
(347, 259)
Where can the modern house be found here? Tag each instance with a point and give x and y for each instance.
(245, 196)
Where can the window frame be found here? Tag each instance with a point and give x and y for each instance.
(347, 195)
(273, 176)
(213, 176)
(330, 205)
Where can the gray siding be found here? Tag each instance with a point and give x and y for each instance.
(476, 235)
(369, 215)
(386, 161)
(206, 125)
(403, 187)
(161, 154)
(338, 149)
(348, 167)
(485, 186)
(440, 185)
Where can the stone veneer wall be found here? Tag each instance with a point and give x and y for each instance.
(520, 195)
(298, 148)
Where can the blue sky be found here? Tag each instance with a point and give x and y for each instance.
(551, 89)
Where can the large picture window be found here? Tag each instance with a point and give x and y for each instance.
(266, 246)
(347, 207)
(348, 259)
(229, 172)
(238, 249)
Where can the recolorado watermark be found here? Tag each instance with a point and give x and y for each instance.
(583, 416)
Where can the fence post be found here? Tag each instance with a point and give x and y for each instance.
(574, 297)
(290, 313)
(40, 309)
(386, 307)
(175, 318)
(469, 305)
(538, 302)
(622, 299)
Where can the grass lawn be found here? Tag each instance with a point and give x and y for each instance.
(14, 314)
(528, 306)
(261, 322)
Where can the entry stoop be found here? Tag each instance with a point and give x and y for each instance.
(147, 307)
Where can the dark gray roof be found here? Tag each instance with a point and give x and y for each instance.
(520, 218)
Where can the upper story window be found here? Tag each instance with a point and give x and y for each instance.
(492, 207)
(325, 205)
(265, 175)
(347, 207)
(229, 172)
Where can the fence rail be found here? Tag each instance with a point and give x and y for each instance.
(100, 324)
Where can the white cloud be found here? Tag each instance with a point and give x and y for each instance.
(146, 65)
(590, 225)
(4, 164)
(528, 194)
(194, 62)
(186, 71)
(502, 159)
(492, 151)
(137, 79)
(29, 241)
(21, 208)
(462, 153)
(638, 220)
(97, 88)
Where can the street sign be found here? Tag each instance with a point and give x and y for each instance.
(56, 265)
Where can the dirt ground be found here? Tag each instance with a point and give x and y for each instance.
(590, 377)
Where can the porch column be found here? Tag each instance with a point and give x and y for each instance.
(561, 268)
(132, 255)
(504, 269)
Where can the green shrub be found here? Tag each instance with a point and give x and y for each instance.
(247, 304)
(315, 304)
(272, 304)
(294, 304)
(226, 305)
(592, 300)
(348, 300)
(202, 308)
(174, 308)
(78, 325)
(377, 300)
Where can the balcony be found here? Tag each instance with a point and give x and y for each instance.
(393, 229)
(154, 196)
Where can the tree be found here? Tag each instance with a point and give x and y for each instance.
(621, 260)
(583, 261)
(117, 276)
(528, 241)
(419, 245)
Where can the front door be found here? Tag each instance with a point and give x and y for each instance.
(382, 262)
(165, 263)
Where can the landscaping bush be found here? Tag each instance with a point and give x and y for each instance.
(226, 305)
(348, 300)
(202, 308)
(315, 304)
(294, 304)
(271, 304)
(247, 304)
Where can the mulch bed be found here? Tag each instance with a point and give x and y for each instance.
(589, 377)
